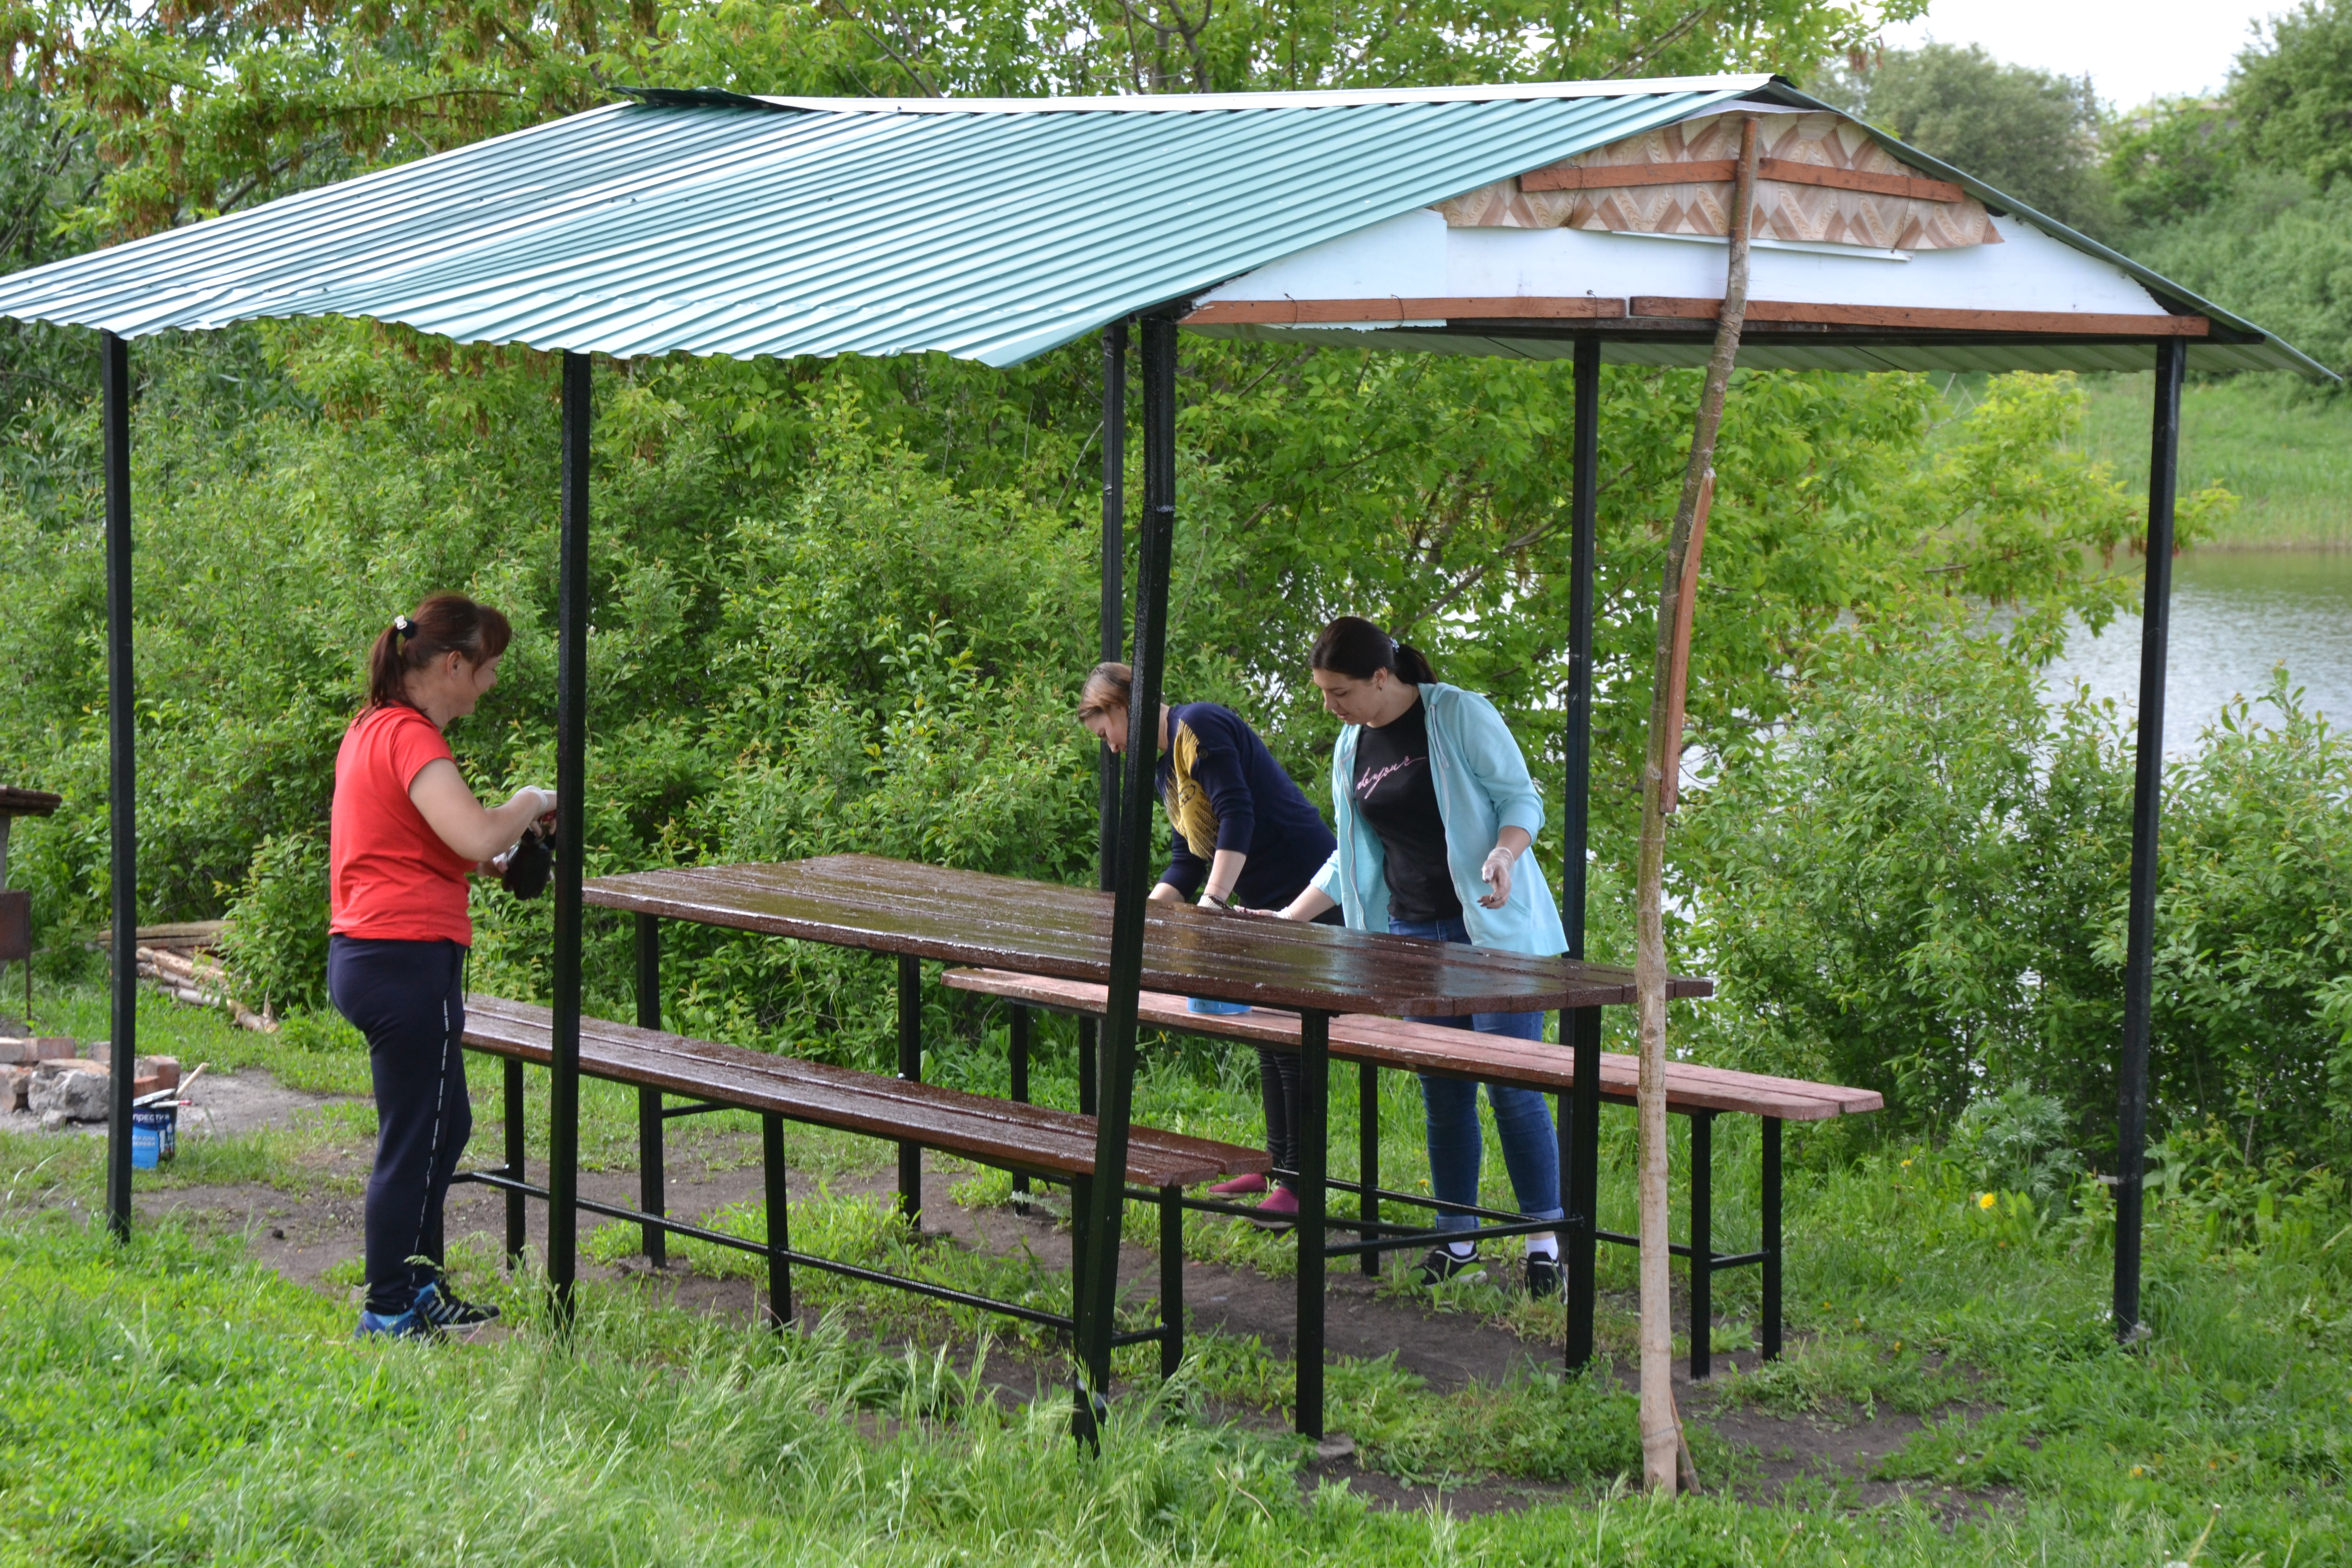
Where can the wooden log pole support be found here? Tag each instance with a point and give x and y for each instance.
(1662, 1447)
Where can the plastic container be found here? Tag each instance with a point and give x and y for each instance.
(155, 1135)
(1209, 1004)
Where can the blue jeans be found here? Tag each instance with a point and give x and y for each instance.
(1530, 1145)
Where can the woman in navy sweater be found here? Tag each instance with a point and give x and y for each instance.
(1245, 839)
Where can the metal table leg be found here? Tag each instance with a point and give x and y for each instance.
(1016, 1027)
(1771, 1244)
(1314, 1147)
(779, 1234)
(514, 1169)
(1702, 1245)
(1367, 1156)
(1172, 1280)
(650, 1158)
(1585, 1183)
(910, 1067)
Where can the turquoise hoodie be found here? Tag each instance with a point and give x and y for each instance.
(1483, 788)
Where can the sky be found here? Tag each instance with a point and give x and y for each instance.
(2134, 51)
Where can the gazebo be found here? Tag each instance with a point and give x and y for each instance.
(1578, 220)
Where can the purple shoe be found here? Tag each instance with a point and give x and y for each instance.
(1247, 1186)
(1278, 1212)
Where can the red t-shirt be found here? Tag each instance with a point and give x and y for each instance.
(390, 877)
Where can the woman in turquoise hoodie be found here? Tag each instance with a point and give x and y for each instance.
(1434, 813)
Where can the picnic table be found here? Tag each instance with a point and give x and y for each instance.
(917, 912)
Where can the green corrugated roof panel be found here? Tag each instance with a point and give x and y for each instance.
(726, 226)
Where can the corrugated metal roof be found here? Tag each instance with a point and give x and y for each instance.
(727, 227)
(994, 229)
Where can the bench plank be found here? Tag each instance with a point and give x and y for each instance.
(1455, 1052)
(1033, 1138)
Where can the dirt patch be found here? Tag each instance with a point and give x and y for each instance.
(304, 1237)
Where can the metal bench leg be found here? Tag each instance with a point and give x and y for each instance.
(1702, 1245)
(1017, 1029)
(514, 1171)
(910, 1067)
(1771, 1249)
(650, 1158)
(1171, 1280)
(1089, 1065)
(1367, 1156)
(1314, 1147)
(1583, 1134)
(1081, 1194)
(780, 1231)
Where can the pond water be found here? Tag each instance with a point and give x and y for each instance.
(2235, 616)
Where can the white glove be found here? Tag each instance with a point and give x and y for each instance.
(1496, 874)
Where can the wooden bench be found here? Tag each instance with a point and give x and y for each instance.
(1030, 1140)
(1701, 1094)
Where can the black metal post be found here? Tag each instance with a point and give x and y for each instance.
(1314, 1152)
(1115, 1089)
(779, 1234)
(651, 1157)
(570, 785)
(1702, 1245)
(1016, 1029)
(1367, 1158)
(1770, 1242)
(1579, 1028)
(1114, 568)
(910, 1067)
(1089, 1062)
(2147, 804)
(514, 1167)
(121, 736)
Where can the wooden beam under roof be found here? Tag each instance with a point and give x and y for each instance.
(1718, 171)
(1337, 312)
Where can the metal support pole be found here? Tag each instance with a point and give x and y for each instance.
(1114, 643)
(780, 1232)
(1116, 1089)
(2147, 804)
(1770, 1243)
(121, 736)
(910, 1067)
(571, 786)
(514, 1167)
(1314, 1151)
(1579, 1030)
(1367, 1158)
(1016, 1029)
(1702, 1245)
(651, 1157)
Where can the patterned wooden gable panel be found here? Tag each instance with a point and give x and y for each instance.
(1785, 210)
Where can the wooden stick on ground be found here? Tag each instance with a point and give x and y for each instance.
(1661, 1445)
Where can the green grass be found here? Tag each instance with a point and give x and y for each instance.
(2288, 459)
(169, 1402)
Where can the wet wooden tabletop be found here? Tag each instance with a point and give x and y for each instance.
(1043, 928)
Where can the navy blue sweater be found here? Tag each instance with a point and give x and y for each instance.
(1223, 790)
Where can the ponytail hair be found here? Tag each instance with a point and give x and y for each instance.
(1109, 686)
(442, 625)
(1354, 647)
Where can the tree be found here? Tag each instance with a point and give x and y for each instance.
(2296, 96)
(2027, 133)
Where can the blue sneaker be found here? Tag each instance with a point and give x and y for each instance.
(410, 1324)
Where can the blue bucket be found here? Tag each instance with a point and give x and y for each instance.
(1209, 1004)
(155, 1135)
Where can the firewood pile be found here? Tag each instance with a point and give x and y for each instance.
(177, 960)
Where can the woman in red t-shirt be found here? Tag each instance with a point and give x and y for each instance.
(405, 834)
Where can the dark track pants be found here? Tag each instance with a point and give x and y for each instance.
(408, 999)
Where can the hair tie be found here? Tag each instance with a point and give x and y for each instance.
(402, 627)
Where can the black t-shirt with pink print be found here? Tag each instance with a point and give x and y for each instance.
(1398, 796)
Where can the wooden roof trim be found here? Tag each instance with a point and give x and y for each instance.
(1719, 170)
(1923, 318)
(1653, 307)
